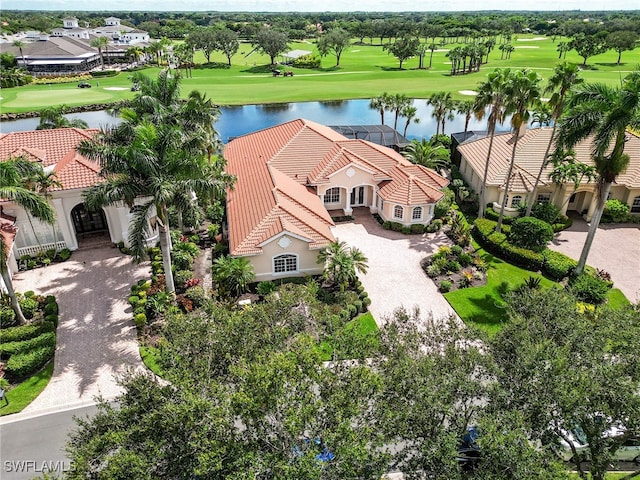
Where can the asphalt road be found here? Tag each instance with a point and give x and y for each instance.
(31, 447)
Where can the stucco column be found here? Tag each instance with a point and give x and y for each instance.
(564, 197)
(592, 206)
(374, 201)
(63, 223)
(348, 210)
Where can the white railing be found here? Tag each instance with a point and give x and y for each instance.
(35, 249)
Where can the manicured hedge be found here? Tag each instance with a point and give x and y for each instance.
(23, 364)
(25, 332)
(557, 265)
(491, 214)
(496, 243)
(13, 348)
(531, 233)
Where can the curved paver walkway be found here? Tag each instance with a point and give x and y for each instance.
(395, 278)
(615, 248)
(96, 335)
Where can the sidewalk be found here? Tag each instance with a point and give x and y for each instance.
(96, 335)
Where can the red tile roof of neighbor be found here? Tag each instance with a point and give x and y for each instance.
(529, 155)
(8, 232)
(277, 167)
(55, 148)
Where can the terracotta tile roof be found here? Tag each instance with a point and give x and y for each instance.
(8, 231)
(55, 148)
(410, 186)
(530, 153)
(276, 167)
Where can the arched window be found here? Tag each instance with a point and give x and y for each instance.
(635, 206)
(544, 198)
(332, 195)
(515, 201)
(398, 212)
(417, 213)
(285, 263)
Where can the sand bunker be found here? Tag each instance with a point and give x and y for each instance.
(527, 46)
(354, 51)
(116, 88)
(468, 92)
(535, 39)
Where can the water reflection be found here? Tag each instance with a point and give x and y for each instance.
(240, 120)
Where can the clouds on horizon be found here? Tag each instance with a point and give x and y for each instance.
(325, 6)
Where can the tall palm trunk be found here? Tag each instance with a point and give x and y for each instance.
(506, 190)
(603, 193)
(534, 192)
(165, 247)
(483, 201)
(6, 277)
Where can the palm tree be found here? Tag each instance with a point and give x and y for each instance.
(443, 107)
(156, 154)
(541, 114)
(381, 104)
(466, 108)
(232, 275)
(398, 102)
(19, 44)
(100, 43)
(522, 92)
(422, 152)
(341, 263)
(410, 113)
(13, 173)
(564, 77)
(566, 169)
(492, 94)
(53, 117)
(605, 113)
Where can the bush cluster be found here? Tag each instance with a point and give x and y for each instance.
(307, 61)
(44, 258)
(54, 79)
(615, 211)
(557, 265)
(590, 288)
(25, 332)
(531, 233)
(23, 364)
(496, 243)
(23, 346)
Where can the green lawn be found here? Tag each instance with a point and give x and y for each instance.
(25, 393)
(365, 71)
(616, 298)
(483, 306)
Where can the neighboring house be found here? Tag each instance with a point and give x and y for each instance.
(290, 176)
(75, 225)
(529, 157)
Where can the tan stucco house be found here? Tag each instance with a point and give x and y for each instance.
(529, 157)
(75, 224)
(290, 176)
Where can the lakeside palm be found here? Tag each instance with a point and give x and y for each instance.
(603, 113)
(422, 152)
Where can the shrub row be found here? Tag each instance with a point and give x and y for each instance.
(25, 332)
(23, 364)
(558, 265)
(497, 244)
(13, 348)
(491, 214)
(416, 228)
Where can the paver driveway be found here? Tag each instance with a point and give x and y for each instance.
(96, 335)
(395, 278)
(615, 248)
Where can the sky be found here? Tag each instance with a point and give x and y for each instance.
(319, 6)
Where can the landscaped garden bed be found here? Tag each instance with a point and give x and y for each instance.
(43, 259)
(452, 268)
(26, 350)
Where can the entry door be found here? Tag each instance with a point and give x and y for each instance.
(357, 196)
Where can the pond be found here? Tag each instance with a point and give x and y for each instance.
(239, 120)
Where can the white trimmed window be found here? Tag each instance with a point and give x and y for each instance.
(544, 198)
(635, 206)
(332, 195)
(285, 263)
(417, 213)
(398, 212)
(515, 201)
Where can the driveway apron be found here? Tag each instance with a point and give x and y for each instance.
(395, 278)
(96, 335)
(615, 248)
